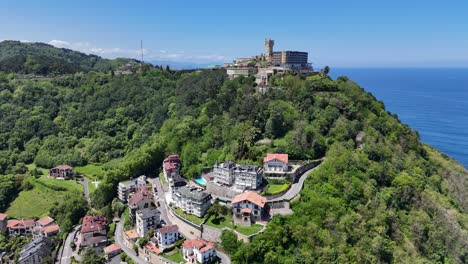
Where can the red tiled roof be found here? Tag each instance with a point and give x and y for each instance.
(132, 234)
(251, 197)
(51, 229)
(202, 245)
(112, 248)
(93, 223)
(20, 224)
(63, 167)
(142, 193)
(168, 229)
(246, 210)
(153, 248)
(45, 220)
(3, 216)
(272, 156)
(172, 159)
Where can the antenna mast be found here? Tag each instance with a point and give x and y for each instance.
(141, 47)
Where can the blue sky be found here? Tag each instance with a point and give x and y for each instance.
(336, 33)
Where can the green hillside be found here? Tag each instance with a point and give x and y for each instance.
(382, 197)
(44, 59)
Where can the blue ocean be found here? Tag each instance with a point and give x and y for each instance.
(432, 101)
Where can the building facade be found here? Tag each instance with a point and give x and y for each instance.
(34, 252)
(45, 227)
(142, 199)
(198, 251)
(146, 219)
(93, 233)
(247, 177)
(171, 166)
(166, 236)
(126, 188)
(3, 221)
(223, 173)
(275, 164)
(192, 200)
(20, 227)
(290, 58)
(249, 208)
(61, 171)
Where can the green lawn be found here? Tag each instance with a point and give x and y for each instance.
(276, 188)
(91, 171)
(192, 218)
(175, 255)
(38, 201)
(226, 221)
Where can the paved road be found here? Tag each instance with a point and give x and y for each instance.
(67, 250)
(163, 209)
(295, 187)
(120, 240)
(86, 190)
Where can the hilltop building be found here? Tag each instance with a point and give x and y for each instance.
(263, 67)
(192, 200)
(34, 252)
(275, 165)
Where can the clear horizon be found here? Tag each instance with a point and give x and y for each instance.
(359, 34)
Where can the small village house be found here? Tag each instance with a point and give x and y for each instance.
(112, 251)
(61, 171)
(275, 164)
(20, 227)
(45, 227)
(249, 208)
(198, 251)
(166, 236)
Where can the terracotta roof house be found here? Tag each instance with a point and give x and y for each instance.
(132, 235)
(151, 253)
(45, 227)
(275, 163)
(3, 221)
(19, 227)
(112, 251)
(93, 232)
(248, 208)
(61, 171)
(140, 200)
(167, 236)
(198, 251)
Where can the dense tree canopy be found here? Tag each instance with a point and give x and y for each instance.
(381, 196)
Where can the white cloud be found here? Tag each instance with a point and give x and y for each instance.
(179, 56)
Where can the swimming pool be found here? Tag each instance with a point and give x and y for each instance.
(200, 181)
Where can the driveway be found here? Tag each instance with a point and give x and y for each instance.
(120, 240)
(86, 190)
(67, 250)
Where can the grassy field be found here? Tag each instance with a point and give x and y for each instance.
(33, 166)
(192, 218)
(226, 221)
(90, 171)
(175, 255)
(38, 201)
(276, 188)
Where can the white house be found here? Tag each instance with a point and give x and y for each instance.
(275, 162)
(192, 200)
(198, 251)
(166, 236)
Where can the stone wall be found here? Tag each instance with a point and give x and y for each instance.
(190, 230)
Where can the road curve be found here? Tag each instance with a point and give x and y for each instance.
(120, 241)
(67, 250)
(295, 188)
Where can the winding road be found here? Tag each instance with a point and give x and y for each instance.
(67, 250)
(120, 240)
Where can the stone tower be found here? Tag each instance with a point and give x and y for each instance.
(269, 43)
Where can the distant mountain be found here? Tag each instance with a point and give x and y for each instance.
(184, 65)
(45, 59)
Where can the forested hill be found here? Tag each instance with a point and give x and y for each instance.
(45, 59)
(381, 196)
